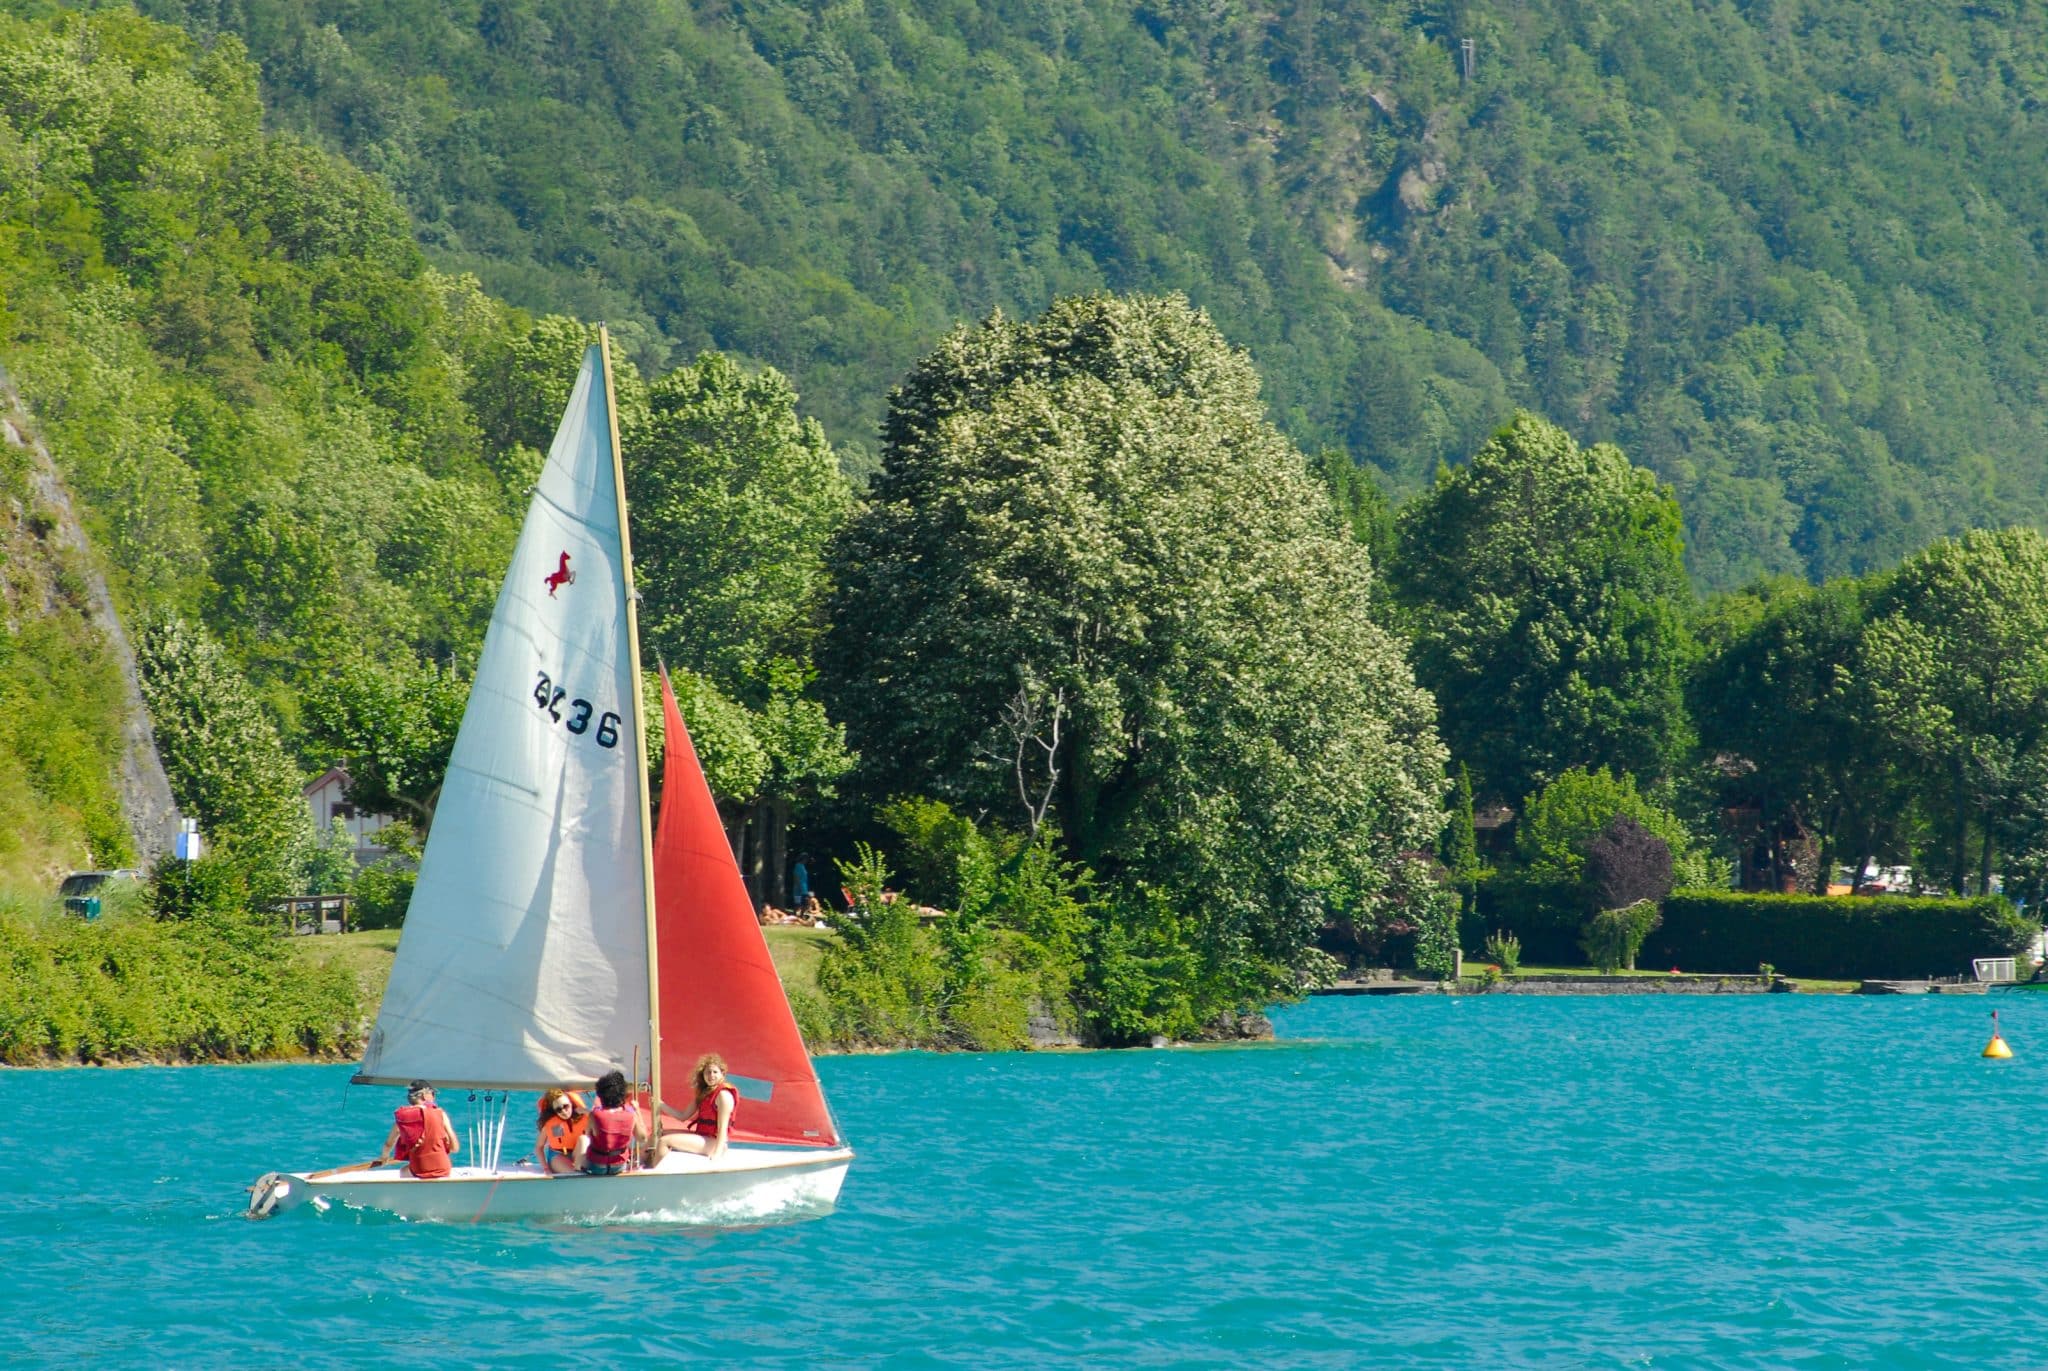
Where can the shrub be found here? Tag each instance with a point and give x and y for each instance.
(882, 982)
(214, 884)
(1151, 974)
(1436, 934)
(1627, 864)
(892, 982)
(1613, 937)
(1505, 948)
(132, 988)
(1846, 937)
(383, 891)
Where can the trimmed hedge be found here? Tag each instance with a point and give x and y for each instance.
(1546, 915)
(1841, 937)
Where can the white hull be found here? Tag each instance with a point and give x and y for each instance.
(746, 1186)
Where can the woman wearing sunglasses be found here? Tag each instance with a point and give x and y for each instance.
(562, 1121)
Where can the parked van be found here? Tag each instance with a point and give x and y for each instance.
(82, 890)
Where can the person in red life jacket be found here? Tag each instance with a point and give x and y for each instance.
(705, 1130)
(563, 1121)
(421, 1135)
(615, 1130)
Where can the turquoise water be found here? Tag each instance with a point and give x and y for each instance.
(1752, 1182)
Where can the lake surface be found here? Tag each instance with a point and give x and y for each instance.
(1687, 1182)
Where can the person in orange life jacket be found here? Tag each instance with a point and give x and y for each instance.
(421, 1135)
(706, 1129)
(615, 1130)
(563, 1121)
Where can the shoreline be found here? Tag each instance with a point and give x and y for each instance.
(1591, 984)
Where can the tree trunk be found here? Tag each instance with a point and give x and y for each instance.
(1960, 866)
(1984, 866)
(754, 866)
(775, 819)
(1774, 842)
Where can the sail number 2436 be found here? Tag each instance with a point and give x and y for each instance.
(575, 715)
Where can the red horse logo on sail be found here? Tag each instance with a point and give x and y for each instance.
(562, 577)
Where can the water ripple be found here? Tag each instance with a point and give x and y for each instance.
(1501, 1182)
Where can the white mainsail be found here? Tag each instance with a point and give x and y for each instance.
(525, 957)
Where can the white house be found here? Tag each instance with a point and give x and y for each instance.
(324, 797)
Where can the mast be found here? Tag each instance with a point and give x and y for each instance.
(639, 763)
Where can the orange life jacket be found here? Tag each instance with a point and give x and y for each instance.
(560, 1134)
(706, 1121)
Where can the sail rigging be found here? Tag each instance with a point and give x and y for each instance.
(526, 955)
(719, 988)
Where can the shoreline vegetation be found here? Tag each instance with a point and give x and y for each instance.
(128, 990)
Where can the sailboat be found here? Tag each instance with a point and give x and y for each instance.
(553, 937)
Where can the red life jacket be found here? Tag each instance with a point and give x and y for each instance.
(422, 1140)
(412, 1125)
(611, 1136)
(706, 1121)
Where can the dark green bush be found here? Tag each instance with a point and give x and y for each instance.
(1845, 937)
(1545, 914)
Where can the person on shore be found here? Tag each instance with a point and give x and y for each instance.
(615, 1130)
(421, 1135)
(563, 1121)
(706, 1130)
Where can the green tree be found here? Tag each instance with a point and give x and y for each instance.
(1560, 823)
(1955, 660)
(1459, 847)
(1544, 584)
(226, 765)
(735, 498)
(1094, 589)
(391, 726)
(1778, 701)
(1361, 505)
(331, 863)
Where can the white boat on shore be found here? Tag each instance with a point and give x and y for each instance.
(556, 934)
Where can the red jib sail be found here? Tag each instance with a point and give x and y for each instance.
(718, 987)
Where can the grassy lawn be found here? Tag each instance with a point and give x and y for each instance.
(1805, 985)
(797, 952)
(367, 954)
(1808, 985)
(1802, 984)
(1594, 971)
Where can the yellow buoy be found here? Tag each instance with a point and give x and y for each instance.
(1996, 1047)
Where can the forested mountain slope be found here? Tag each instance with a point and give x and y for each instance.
(1785, 252)
(255, 389)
